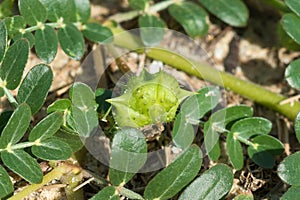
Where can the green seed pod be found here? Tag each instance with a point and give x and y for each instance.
(148, 98)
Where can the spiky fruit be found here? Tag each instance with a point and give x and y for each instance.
(148, 98)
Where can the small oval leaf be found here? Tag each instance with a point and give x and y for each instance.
(35, 87)
(292, 193)
(6, 186)
(212, 184)
(60, 105)
(52, 149)
(97, 33)
(176, 176)
(107, 193)
(192, 17)
(82, 10)
(14, 63)
(84, 109)
(16, 126)
(57, 9)
(33, 11)
(46, 43)
(128, 155)
(47, 127)
(71, 41)
(290, 25)
(152, 29)
(234, 151)
(23, 164)
(249, 127)
(232, 12)
(289, 169)
(14, 24)
(292, 74)
(3, 39)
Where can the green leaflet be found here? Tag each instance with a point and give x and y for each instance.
(176, 176)
(234, 151)
(52, 149)
(14, 63)
(97, 33)
(294, 5)
(47, 127)
(249, 127)
(232, 12)
(3, 39)
(292, 74)
(152, 29)
(72, 140)
(58, 8)
(297, 127)
(16, 126)
(138, 4)
(130, 194)
(35, 87)
(71, 41)
(192, 17)
(27, 36)
(183, 132)
(128, 155)
(6, 186)
(23, 164)
(289, 169)
(33, 11)
(82, 10)
(14, 24)
(60, 105)
(217, 124)
(290, 25)
(46, 44)
(212, 184)
(285, 40)
(264, 149)
(107, 193)
(84, 106)
(292, 193)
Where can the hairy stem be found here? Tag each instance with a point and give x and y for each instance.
(244, 88)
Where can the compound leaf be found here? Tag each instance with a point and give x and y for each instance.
(128, 155)
(152, 29)
(84, 109)
(6, 186)
(234, 151)
(14, 63)
(289, 23)
(192, 17)
(97, 33)
(46, 43)
(292, 74)
(35, 87)
(246, 128)
(71, 41)
(16, 126)
(3, 39)
(107, 193)
(217, 124)
(289, 169)
(176, 176)
(23, 164)
(212, 184)
(232, 12)
(52, 149)
(33, 11)
(47, 127)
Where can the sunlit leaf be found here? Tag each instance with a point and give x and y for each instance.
(292, 74)
(290, 25)
(57, 9)
(289, 169)
(33, 11)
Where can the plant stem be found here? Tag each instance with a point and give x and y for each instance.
(22, 145)
(56, 173)
(244, 88)
(132, 14)
(279, 5)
